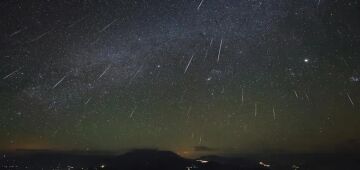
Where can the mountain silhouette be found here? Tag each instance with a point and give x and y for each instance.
(142, 159)
(166, 160)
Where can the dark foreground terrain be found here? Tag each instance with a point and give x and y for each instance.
(165, 160)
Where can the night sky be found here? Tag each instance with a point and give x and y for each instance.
(190, 76)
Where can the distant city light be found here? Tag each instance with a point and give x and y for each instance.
(202, 161)
(264, 164)
(295, 167)
(191, 167)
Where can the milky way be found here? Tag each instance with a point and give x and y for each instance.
(228, 76)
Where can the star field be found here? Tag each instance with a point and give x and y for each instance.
(191, 76)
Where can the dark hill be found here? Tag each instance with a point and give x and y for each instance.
(166, 160)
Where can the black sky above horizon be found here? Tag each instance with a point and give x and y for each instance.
(221, 75)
